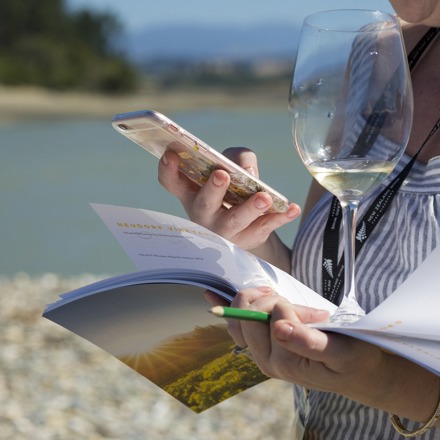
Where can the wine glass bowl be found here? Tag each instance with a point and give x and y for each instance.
(350, 103)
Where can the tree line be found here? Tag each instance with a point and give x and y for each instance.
(42, 43)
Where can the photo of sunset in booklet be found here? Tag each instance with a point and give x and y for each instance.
(156, 320)
(163, 332)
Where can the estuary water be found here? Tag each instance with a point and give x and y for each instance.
(52, 170)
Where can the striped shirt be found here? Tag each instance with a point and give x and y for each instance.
(407, 233)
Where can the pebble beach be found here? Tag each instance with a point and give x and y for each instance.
(56, 386)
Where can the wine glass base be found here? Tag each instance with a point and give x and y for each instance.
(347, 313)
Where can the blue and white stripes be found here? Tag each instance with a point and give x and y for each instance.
(407, 233)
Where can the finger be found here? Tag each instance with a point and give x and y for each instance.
(304, 341)
(248, 224)
(244, 299)
(209, 199)
(174, 181)
(214, 299)
(243, 157)
(201, 203)
(303, 314)
(239, 217)
(257, 337)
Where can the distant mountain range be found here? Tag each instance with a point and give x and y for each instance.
(201, 43)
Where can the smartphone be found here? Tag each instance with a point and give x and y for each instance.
(156, 133)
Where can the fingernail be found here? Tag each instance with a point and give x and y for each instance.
(251, 170)
(261, 203)
(265, 289)
(164, 159)
(216, 180)
(284, 332)
(293, 211)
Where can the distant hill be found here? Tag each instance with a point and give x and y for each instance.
(201, 43)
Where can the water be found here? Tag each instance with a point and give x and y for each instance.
(51, 171)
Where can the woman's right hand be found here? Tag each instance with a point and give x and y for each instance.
(247, 225)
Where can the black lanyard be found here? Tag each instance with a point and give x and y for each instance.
(333, 271)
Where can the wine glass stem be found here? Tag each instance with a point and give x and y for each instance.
(349, 211)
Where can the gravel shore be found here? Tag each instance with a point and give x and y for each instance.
(56, 386)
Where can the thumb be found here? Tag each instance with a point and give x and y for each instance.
(301, 339)
(295, 335)
(244, 157)
(305, 315)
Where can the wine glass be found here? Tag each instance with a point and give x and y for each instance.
(351, 107)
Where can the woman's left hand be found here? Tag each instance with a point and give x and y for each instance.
(290, 350)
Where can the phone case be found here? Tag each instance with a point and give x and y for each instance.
(156, 133)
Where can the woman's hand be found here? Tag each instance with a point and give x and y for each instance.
(290, 350)
(248, 224)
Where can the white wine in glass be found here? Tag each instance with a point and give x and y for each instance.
(351, 109)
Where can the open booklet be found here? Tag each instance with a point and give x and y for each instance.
(156, 320)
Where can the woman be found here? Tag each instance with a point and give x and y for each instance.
(344, 388)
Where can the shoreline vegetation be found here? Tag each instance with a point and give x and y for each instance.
(18, 103)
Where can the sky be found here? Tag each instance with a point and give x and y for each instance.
(139, 14)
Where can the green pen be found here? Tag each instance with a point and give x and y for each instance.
(236, 313)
